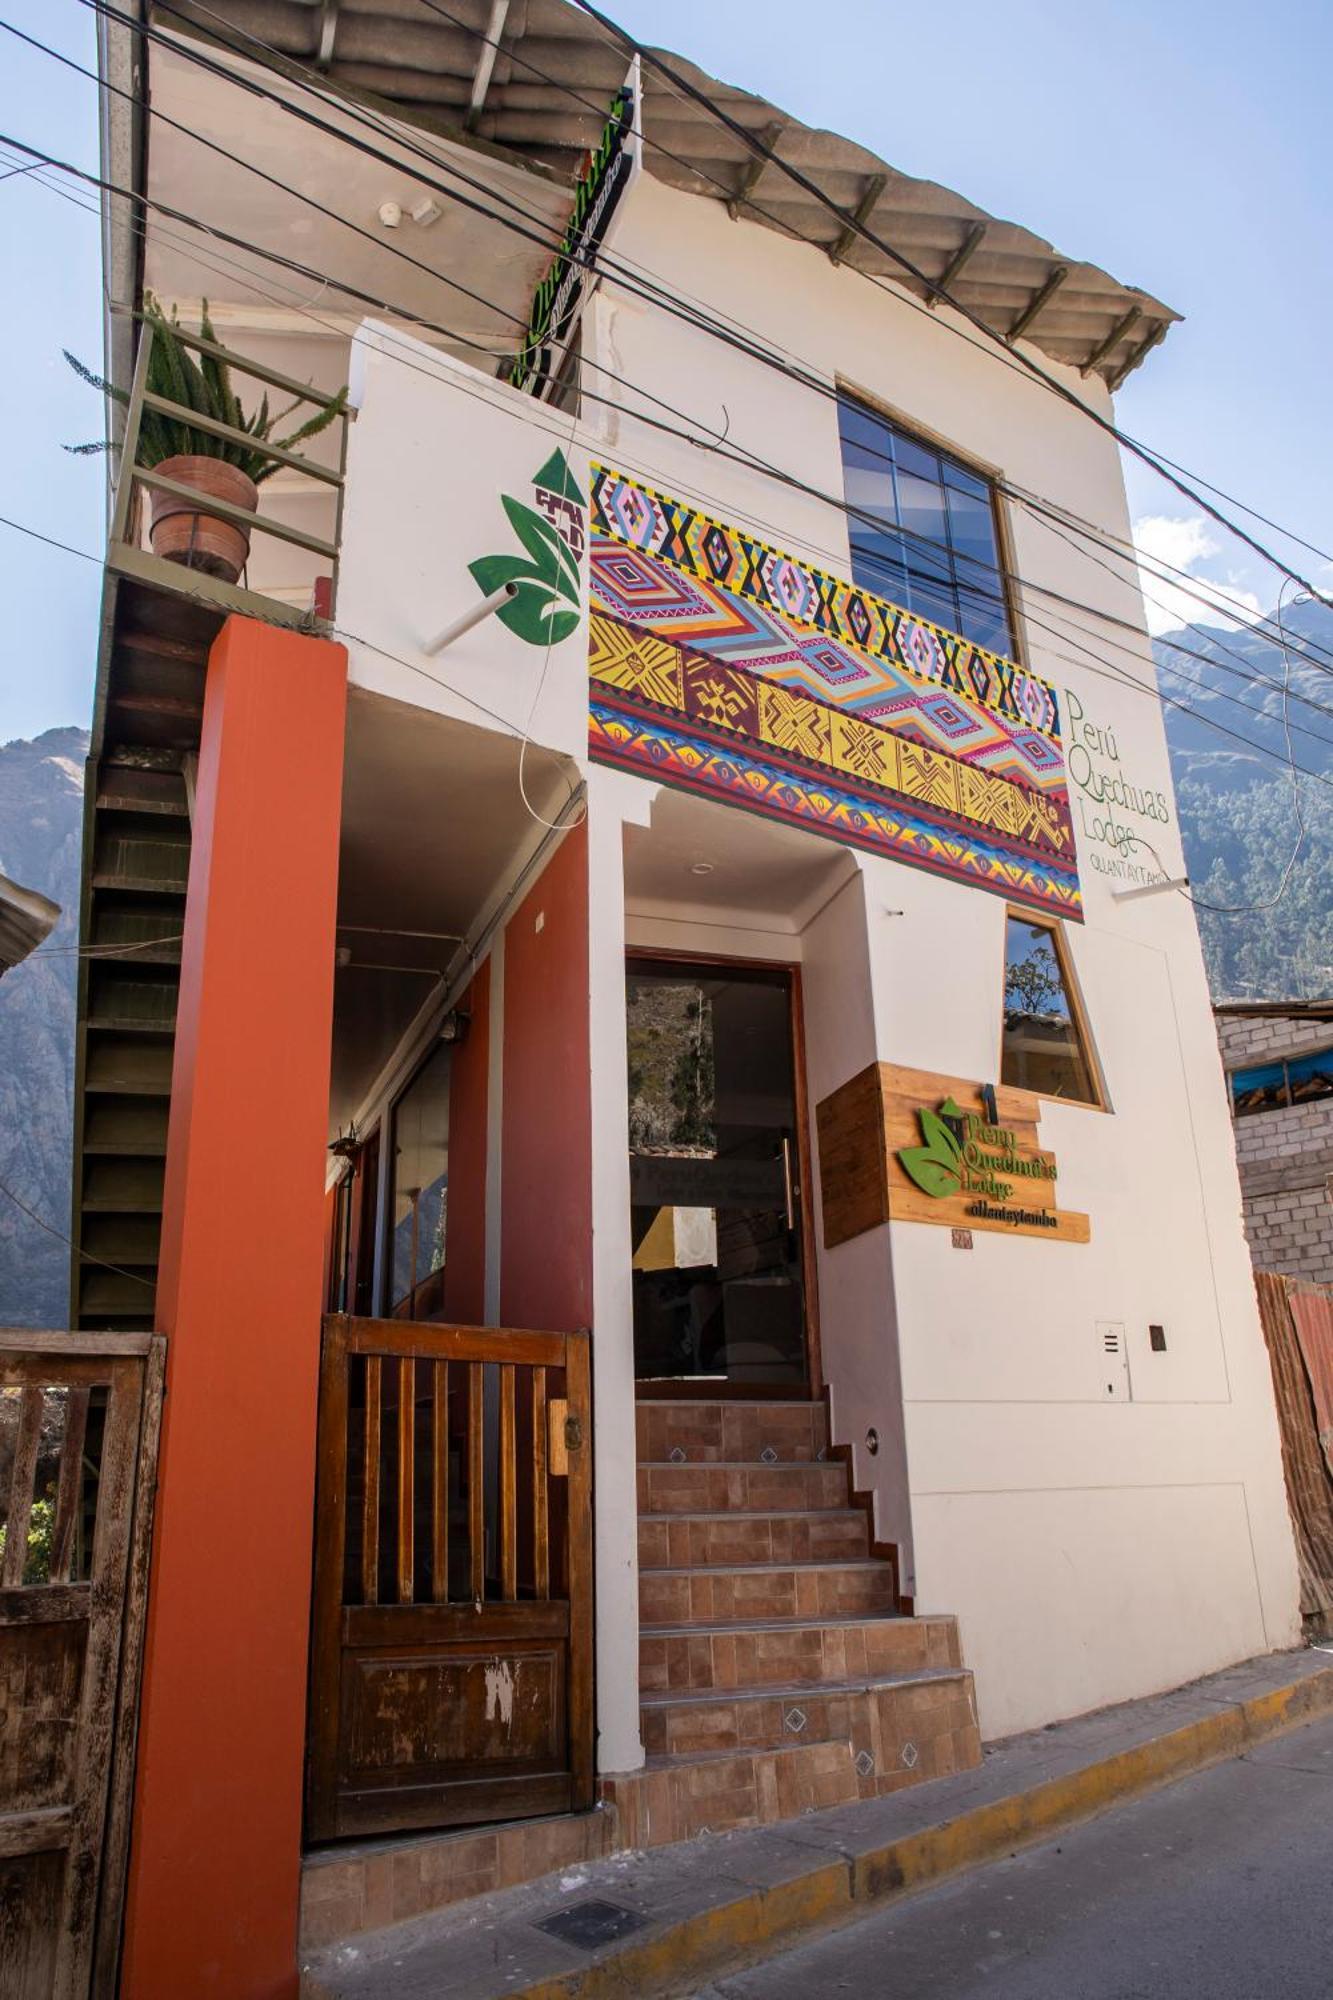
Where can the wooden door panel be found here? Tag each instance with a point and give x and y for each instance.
(77, 1419)
(451, 1655)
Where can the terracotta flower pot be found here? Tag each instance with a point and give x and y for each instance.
(183, 532)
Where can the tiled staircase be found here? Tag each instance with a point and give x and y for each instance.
(776, 1674)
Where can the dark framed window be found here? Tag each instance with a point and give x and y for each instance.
(419, 1192)
(923, 528)
(1272, 1086)
(1045, 1046)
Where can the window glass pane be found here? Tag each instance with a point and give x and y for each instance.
(972, 525)
(1042, 1048)
(915, 459)
(936, 552)
(921, 508)
(419, 1196)
(877, 563)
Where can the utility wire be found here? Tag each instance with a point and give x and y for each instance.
(604, 264)
(850, 221)
(135, 1277)
(752, 460)
(1116, 677)
(655, 294)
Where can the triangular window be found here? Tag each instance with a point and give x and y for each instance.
(1046, 1046)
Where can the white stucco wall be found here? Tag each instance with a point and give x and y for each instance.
(1094, 1548)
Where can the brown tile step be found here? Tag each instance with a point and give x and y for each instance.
(800, 1534)
(891, 1718)
(729, 1488)
(716, 1596)
(711, 1431)
(781, 1652)
(676, 1798)
(360, 1887)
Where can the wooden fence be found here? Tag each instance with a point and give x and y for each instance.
(452, 1651)
(79, 1418)
(1298, 1327)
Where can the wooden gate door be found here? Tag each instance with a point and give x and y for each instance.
(451, 1671)
(78, 1448)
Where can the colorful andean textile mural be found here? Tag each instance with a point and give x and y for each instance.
(719, 665)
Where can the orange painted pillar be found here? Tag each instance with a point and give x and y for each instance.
(216, 1843)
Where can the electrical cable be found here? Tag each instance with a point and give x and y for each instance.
(859, 228)
(1111, 674)
(657, 295)
(60, 1236)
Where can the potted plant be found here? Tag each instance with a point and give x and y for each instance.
(179, 530)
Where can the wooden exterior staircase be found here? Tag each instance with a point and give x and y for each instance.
(135, 867)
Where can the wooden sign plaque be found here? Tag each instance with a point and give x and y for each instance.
(908, 1145)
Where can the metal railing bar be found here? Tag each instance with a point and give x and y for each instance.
(242, 517)
(129, 443)
(216, 428)
(258, 370)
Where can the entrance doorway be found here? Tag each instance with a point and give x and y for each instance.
(716, 1177)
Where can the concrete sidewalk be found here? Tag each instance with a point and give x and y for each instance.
(669, 1921)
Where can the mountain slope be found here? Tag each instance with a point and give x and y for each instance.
(41, 818)
(1238, 810)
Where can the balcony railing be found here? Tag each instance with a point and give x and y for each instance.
(128, 553)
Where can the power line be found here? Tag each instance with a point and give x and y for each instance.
(754, 463)
(654, 294)
(853, 222)
(135, 1277)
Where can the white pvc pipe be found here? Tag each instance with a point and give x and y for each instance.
(1149, 889)
(490, 49)
(470, 618)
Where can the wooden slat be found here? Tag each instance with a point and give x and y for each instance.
(120, 1801)
(76, 1346)
(508, 1487)
(451, 1343)
(407, 1370)
(70, 1489)
(379, 1625)
(45, 1604)
(578, 1388)
(541, 1520)
(370, 1498)
(101, 1669)
(31, 1832)
(439, 1482)
(330, 1564)
(20, 1487)
(476, 1519)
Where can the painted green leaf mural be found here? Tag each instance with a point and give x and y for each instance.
(545, 607)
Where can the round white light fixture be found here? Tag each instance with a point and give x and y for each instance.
(701, 867)
(391, 214)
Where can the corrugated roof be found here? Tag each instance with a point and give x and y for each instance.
(551, 55)
(26, 917)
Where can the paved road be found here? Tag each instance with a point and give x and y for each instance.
(1219, 1888)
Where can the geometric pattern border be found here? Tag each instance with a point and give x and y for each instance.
(722, 667)
(638, 672)
(694, 544)
(738, 776)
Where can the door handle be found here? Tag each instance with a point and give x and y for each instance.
(788, 1194)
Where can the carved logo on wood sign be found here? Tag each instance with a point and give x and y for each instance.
(910, 1146)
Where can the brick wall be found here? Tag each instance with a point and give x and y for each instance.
(1255, 1038)
(1285, 1156)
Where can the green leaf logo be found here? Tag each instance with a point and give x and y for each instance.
(936, 1167)
(545, 607)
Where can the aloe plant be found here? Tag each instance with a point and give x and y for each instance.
(202, 382)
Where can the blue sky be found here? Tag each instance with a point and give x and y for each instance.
(1186, 148)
